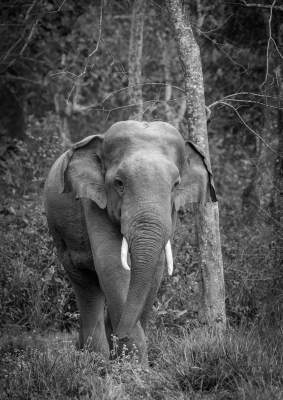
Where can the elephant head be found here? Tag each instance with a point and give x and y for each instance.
(141, 174)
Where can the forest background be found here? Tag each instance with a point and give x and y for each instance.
(63, 76)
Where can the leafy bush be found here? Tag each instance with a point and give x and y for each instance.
(24, 165)
(34, 291)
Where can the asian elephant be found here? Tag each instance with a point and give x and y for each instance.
(111, 204)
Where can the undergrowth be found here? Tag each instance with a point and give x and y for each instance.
(242, 364)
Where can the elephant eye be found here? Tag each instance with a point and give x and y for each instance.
(177, 183)
(119, 185)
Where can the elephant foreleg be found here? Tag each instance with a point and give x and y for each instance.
(91, 304)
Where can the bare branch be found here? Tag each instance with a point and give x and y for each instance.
(256, 5)
(21, 78)
(60, 7)
(142, 84)
(109, 110)
(29, 10)
(83, 108)
(276, 47)
(217, 28)
(78, 77)
(220, 47)
(256, 102)
(268, 42)
(28, 38)
(247, 126)
(18, 41)
(228, 97)
(100, 31)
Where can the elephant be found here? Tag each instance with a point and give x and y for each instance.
(111, 203)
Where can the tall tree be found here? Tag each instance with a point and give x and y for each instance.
(135, 58)
(209, 236)
(278, 182)
(175, 117)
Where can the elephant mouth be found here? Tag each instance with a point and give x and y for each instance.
(168, 256)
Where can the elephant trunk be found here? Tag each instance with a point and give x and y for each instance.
(146, 242)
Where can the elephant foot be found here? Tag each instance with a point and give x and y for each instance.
(95, 341)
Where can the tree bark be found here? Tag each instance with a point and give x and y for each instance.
(213, 304)
(135, 59)
(278, 185)
(174, 116)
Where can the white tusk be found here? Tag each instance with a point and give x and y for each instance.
(124, 254)
(169, 257)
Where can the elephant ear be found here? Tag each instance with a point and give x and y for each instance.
(81, 170)
(196, 181)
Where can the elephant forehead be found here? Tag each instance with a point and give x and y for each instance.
(126, 137)
(151, 165)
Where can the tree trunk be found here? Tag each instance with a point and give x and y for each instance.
(278, 189)
(213, 307)
(174, 116)
(135, 59)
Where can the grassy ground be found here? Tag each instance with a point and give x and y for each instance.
(38, 314)
(200, 365)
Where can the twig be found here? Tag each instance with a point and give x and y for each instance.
(109, 110)
(28, 38)
(228, 97)
(276, 47)
(21, 36)
(268, 42)
(248, 127)
(60, 7)
(221, 49)
(143, 84)
(90, 54)
(29, 10)
(100, 31)
(213, 29)
(256, 102)
(63, 73)
(82, 108)
(267, 6)
(21, 78)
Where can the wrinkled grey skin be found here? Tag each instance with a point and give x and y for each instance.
(129, 182)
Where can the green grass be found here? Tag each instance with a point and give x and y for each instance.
(201, 365)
